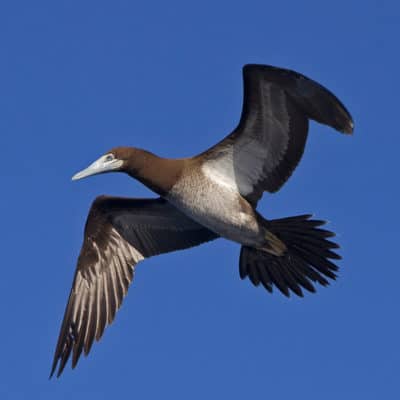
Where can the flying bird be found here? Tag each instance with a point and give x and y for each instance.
(211, 195)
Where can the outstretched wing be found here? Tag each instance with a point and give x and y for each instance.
(265, 148)
(119, 233)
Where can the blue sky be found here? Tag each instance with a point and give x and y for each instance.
(77, 78)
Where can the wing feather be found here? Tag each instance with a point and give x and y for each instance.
(118, 234)
(268, 143)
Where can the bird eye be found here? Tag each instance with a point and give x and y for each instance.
(109, 157)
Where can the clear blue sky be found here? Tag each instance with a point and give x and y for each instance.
(80, 77)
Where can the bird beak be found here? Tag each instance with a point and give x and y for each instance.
(99, 167)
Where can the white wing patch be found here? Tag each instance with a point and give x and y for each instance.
(239, 167)
(220, 170)
(249, 163)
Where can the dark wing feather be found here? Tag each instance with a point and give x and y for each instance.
(268, 143)
(118, 234)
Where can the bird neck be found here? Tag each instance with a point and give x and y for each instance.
(157, 173)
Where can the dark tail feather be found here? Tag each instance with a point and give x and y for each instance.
(307, 259)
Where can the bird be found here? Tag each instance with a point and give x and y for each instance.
(211, 195)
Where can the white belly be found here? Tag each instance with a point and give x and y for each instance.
(218, 208)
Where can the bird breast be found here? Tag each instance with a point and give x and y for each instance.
(217, 206)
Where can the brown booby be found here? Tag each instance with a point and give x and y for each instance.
(211, 195)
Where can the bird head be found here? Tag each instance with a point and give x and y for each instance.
(112, 161)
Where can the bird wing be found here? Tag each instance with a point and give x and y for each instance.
(119, 233)
(265, 148)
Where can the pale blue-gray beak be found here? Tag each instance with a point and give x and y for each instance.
(105, 163)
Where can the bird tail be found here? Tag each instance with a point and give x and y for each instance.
(305, 260)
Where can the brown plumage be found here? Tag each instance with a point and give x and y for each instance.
(119, 233)
(157, 173)
(211, 195)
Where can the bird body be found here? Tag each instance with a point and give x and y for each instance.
(218, 206)
(211, 195)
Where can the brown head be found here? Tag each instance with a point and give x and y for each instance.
(113, 160)
(159, 174)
